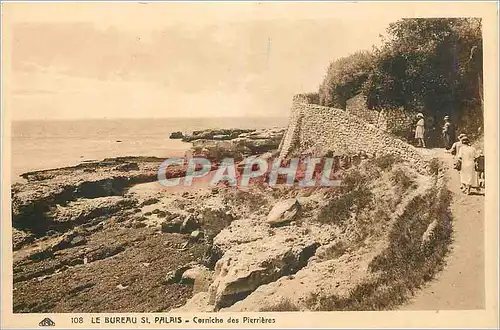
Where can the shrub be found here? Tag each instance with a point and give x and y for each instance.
(386, 162)
(354, 192)
(425, 65)
(312, 98)
(404, 265)
(434, 166)
(334, 251)
(344, 78)
(401, 180)
(284, 305)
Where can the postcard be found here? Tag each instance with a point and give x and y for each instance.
(249, 165)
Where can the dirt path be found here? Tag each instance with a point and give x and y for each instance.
(461, 283)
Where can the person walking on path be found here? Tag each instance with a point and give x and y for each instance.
(420, 130)
(455, 148)
(448, 132)
(480, 169)
(468, 174)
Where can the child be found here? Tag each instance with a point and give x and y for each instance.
(479, 164)
(420, 130)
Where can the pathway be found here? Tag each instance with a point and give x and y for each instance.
(461, 283)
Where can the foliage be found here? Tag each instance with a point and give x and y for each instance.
(284, 305)
(344, 79)
(385, 162)
(405, 265)
(434, 166)
(401, 179)
(313, 98)
(353, 193)
(430, 65)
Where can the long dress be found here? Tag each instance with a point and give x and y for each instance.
(419, 130)
(468, 175)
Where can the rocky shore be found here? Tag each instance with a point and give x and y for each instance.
(107, 237)
(216, 144)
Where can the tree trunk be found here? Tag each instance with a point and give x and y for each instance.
(480, 90)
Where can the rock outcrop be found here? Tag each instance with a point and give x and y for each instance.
(283, 212)
(336, 247)
(259, 248)
(33, 202)
(240, 271)
(176, 135)
(215, 134)
(92, 230)
(235, 143)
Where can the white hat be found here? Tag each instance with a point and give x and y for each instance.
(420, 115)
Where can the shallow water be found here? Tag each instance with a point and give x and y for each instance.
(40, 145)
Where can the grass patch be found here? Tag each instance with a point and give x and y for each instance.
(405, 265)
(334, 251)
(434, 166)
(404, 254)
(284, 305)
(401, 180)
(386, 162)
(354, 193)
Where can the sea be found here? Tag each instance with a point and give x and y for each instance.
(38, 145)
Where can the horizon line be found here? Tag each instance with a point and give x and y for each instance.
(143, 118)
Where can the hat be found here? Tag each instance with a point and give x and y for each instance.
(446, 117)
(461, 136)
(420, 115)
(464, 138)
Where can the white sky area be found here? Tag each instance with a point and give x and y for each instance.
(133, 60)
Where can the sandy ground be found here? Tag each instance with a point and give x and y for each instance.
(460, 286)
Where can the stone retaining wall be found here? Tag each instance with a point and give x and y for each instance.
(356, 106)
(317, 130)
(395, 121)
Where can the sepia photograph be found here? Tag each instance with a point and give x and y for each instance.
(204, 158)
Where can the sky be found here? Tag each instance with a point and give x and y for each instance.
(138, 60)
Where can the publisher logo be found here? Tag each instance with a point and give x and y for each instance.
(46, 322)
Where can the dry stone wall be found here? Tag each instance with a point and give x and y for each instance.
(356, 106)
(290, 139)
(395, 121)
(318, 130)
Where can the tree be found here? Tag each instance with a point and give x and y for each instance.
(344, 79)
(429, 64)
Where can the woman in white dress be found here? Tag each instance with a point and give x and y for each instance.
(468, 174)
(455, 151)
(420, 130)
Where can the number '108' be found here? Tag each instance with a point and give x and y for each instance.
(77, 319)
